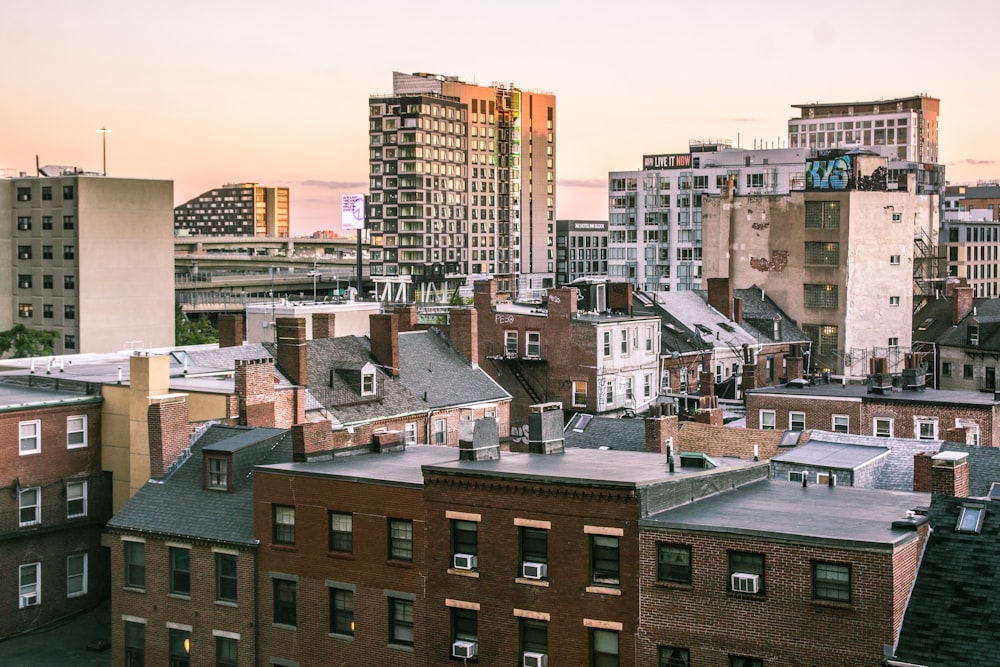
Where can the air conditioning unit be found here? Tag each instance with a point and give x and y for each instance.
(532, 659)
(534, 570)
(29, 600)
(464, 562)
(462, 649)
(742, 582)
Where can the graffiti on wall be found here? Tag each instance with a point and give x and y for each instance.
(828, 174)
(876, 182)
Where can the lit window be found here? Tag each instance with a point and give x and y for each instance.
(831, 581)
(76, 431)
(179, 646)
(579, 393)
(341, 611)
(31, 436)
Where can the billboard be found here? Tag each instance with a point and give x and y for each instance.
(352, 212)
(667, 161)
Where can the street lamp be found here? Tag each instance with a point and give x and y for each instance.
(104, 147)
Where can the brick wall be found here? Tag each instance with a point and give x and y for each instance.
(291, 357)
(169, 431)
(324, 325)
(819, 412)
(230, 327)
(254, 385)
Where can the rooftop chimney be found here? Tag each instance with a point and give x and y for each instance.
(384, 336)
(464, 333)
(720, 296)
(291, 337)
(661, 427)
(230, 330)
(253, 382)
(324, 325)
(479, 440)
(961, 304)
(950, 474)
(545, 428)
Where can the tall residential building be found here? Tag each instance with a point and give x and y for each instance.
(904, 128)
(462, 184)
(235, 209)
(89, 257)
(581, 249)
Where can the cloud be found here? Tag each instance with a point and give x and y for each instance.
(583, 182)
(335, 185)
(744, 120)
(972, 162)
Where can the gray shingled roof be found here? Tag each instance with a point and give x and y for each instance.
(988, 316)
(597, 432)
(759, 312)
(984, 466)
(896, 471)
(166, 506)
(953, 616)
(433, 370)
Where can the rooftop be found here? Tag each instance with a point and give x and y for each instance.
(860, 391)
(841, 456)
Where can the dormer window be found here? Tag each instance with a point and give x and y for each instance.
(973, 334)
(970, 520)
(368, 383)
(217, 475)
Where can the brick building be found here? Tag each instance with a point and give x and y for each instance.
(883, 411)
(184, 555)
(777, 573)
(598, 362)
(54, 503)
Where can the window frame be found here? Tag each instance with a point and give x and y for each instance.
(464, 538)
(340, 539)
(533, 344)
(227, 651)
(875, 427)
(224, 580)
(600, 657)
(178, 641)
(681, 656)
(135, 644)
(82, 499)
(461, 621)
(746, 562)
(135, 572)
(769, 424)
(35, 507)
(831, 589)
(31, 588)
(400, 544)
(529, 538)
(284, 601)
(440, 431)
(282, 530)
(678, 572)
(602, 572)
(844, 427)
(179, 562)
(83, 576)
(36, 437)
(341, 600)
(973, 511)
(796, 417)
(72, 430)
(401, 621)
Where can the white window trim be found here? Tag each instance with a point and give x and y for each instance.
(37, 423)
(774, 421)
(410, 433)
(366, 377)
(83, 430)
(83, 485)
(892, 426)
(833, 422)
(791, 416)
(35, 589)
(918, 422)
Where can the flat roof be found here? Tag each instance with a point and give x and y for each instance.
(860, 391)
(840, 455)
(400, 468)
(821, 514)
(19, 396)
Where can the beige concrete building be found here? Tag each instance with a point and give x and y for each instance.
(839, 259)
(89, 257)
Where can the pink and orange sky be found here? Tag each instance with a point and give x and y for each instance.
(207, 93)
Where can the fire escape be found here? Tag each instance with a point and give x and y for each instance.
(928, 266)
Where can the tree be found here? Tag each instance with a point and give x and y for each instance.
(21, 342)
(193, 332)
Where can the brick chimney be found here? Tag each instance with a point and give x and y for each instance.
(793, 364)
(311, 438)
(230, 330)
(169, 433)
(323, 325)
(485, 296)
(749, 377)
(950, 474)
(738, 310)
(545, 428)
(620, 297)
(464, 333)
(407, 318)
(961, 304)
(720, 296)
(384, 336)
(291, 336)
(922, 476)
(562, 301)
(253, 381)
(661, 428)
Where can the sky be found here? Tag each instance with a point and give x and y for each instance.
(208, 93)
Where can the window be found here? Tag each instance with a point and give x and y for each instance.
(284, 601)
(69, 252)
(69, 342)
(673, 657)
(76, 431)
(604, 565)
(967, 371)
(972, 334)
(410, 433)
(534, 637)
(24, 223)
(67, 192)
(579, 393)
(24, 252)
(25, 310)
(970, 518)
(534, 552)
(226, 651)
(180, 570)
(440, 431)
(76, 499)
(400, 539)
(894, 260)
(533, 345)
(673, 562)
(284, 524)
(400, 621)
(746, 572)
(824, 254)
(69, 282)
(29, 580)
(822, 215)
(341, 532)
(624, 341)
(831, 581)
(740, 661)
(47, 223)
(179, 644)
(218, 472)
(135, 564)
(29, 503)
(607, 343)
(510, 344)
(820, 296)
(341, 611)
(796, 421)
(464, 627)
(24, 281)
(603, 648)
(24, 194)
(767, 420)
(368, 384)
(926, 429)
(135, 644)
(31, 436)
(225, 577)
(893, 300)
(69, 312)
(464, 543)
(76, 575)
(882, 427)
(68, 222)
(46, 252)
(46, 193)
(841, 423)
(47, 281)
(48, 312)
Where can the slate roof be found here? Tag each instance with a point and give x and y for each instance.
(675, 336)
(841, 456)
(177, 505)
(597, 432)
(984, 466)
(988, 315)
(953, 616)
(430, 366)
(759, 312)
(932, 320)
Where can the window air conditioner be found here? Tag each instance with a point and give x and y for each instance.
(745, 583)
(534, 570)
(29, 600)
(464, 562)
(535, 659)
(462, 649)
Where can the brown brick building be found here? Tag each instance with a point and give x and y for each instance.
(53, 504)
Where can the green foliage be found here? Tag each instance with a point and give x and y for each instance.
(193, 332)
(21, 342)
